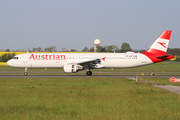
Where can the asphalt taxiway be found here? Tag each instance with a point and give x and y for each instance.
(84, 76)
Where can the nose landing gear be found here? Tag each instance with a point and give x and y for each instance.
(25, 73)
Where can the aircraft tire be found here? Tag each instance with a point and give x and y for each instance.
(25, 73)
(88, 73)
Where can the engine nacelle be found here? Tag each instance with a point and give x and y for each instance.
(70, 68)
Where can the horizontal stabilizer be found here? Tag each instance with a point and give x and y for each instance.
(163, 56)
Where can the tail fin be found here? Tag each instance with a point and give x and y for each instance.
(161, 44)
(157, 51)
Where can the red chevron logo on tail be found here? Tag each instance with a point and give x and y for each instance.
(163, 44)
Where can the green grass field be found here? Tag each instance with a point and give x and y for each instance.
(85, 98)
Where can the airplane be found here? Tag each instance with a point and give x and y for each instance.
(74, 62)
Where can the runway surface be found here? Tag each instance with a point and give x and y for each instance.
(84, 76)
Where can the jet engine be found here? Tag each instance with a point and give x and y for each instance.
(70, 68)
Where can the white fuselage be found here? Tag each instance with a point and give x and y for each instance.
(57, 60)
(74, 62)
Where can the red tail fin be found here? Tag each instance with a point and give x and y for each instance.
(166, 34)
(161, 43)
(159, 48)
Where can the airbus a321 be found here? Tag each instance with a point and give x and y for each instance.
(74, 62)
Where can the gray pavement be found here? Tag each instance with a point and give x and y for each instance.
(171, 88)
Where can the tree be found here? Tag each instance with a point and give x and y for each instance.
(63, 49)
(99, 48)
(173, 51)
(111, 48)
(125, 47)
(6, 57)
(50, 49)
(85, 49)
(7, 50)
(39, 49)
(91, 49)
(73, 50)
(103, 49)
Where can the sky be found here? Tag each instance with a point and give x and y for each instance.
(75, 24)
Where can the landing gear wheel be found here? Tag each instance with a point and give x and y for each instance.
(25, 73)
(88, 73)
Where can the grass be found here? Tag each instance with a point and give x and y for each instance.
(84, 98)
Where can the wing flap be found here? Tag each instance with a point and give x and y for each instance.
(91, 64)
(94, 61)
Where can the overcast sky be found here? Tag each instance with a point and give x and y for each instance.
(74, 24)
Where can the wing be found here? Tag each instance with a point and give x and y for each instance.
(91, 64)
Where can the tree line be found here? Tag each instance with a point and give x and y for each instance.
(175, 52)
(111, 48)
(6, 57)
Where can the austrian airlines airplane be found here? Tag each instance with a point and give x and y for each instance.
(74, 62)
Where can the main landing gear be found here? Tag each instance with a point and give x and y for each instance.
(25, 73)
(89, 73)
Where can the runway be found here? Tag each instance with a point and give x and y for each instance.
(84, 76)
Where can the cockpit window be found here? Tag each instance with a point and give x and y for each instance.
(15, 58)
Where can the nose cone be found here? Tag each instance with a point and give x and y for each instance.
(9, 62)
